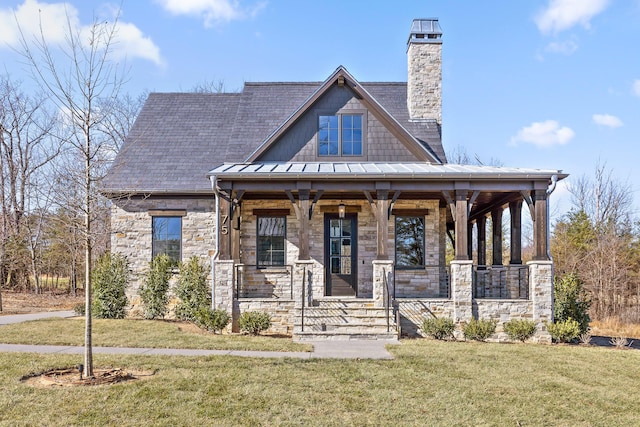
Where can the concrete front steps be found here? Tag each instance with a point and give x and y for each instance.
(344, 319)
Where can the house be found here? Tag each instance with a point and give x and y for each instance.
(330, 205)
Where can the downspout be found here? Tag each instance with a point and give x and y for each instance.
(216, 196)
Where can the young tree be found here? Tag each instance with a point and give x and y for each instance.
(78, 85)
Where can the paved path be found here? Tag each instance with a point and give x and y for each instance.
(17, 318)
(329, 349)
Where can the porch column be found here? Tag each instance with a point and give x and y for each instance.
(515, 212)
(541, 295)
(462, 292)
(381, 277)
(303, 219)
(382, 221)
(223, 290)
(470, 239)
(224, 245)
(462, 218)
(496, 226)
(481, 223)
(234, 230)
(540, 226)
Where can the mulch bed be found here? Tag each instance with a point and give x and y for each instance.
(70, 377)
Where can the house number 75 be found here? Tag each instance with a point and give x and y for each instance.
(224, 228)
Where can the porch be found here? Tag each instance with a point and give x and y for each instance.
(349, 274)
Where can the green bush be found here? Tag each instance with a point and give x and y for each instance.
(520, 329)
(109, 279)
(80, 309)
(155, 290)
(192, 289)
(571, 301)
(211, 320)
(564, 331)
(480, 329)
(439, 328)
(254, 322)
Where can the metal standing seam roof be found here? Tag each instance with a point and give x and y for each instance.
(370, 170)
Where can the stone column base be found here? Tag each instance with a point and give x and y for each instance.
(382, 270)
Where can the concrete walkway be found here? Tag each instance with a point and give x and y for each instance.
(328, 349)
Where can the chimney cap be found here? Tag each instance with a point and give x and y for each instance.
(425, 30)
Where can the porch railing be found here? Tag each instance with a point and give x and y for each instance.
(389, 300)
(508, 282)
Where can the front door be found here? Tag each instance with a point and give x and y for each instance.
(341, 253)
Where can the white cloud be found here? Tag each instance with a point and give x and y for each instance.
(561, 15)
(544, 134)
(565, 48)
(212, 11)
(636, 87)
(607, 120)
(53, 17)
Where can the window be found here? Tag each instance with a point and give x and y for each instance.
(340, 135)
(409, 241)
(167, 236)
(271, 235)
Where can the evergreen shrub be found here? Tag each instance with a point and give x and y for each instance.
(155, 290)
(440, 328)
(520, 329)
(480, 329)
(109, 280)
(254, 322)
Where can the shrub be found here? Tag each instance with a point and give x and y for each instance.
(110, 278)
(79, 309)
(480, 329)
(211, 320)
(520, 329)
(564, 331)
(439, 328)
(571, 301)
(254, 322)
(154, 291)
(192, 290)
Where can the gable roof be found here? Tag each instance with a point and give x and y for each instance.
(179, 137)
(422, 152)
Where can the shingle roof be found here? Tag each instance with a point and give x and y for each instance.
(179, 137)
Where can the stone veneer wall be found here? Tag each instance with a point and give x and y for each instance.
(424, 82)
(131, 234)
(276, 282)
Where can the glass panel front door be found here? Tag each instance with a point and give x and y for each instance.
(340, 255)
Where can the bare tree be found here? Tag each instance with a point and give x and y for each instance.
(599, 242)
(603, 198)
(25, 150)
(78, 86)
(209, 86)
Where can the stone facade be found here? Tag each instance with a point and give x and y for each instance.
(131, 223)
(424, 82)
(418, 293)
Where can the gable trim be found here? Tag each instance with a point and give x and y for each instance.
(342, 76)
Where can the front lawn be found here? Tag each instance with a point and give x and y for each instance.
(138, 333)
(429, 383)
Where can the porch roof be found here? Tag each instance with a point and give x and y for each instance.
(376, 171)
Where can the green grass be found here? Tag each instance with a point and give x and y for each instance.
(429, 383)
(138, 333)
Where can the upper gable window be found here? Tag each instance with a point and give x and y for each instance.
(340, 135)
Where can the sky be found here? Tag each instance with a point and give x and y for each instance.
(550, 84)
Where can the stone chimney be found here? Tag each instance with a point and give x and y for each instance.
(424, 81)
